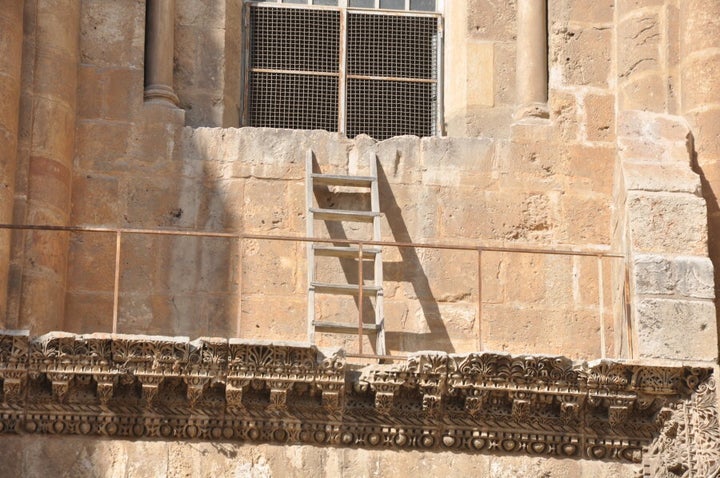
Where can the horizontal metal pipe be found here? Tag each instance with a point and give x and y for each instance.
(230, 235)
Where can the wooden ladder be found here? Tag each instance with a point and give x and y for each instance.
(359, 252)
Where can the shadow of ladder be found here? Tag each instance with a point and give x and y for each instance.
(374, 253)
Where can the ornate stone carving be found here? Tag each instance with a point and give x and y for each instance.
(689, 443)
(162, 387)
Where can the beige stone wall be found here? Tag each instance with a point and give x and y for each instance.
(79, 457)
(208, 61)
(546, 185)
(612, 168)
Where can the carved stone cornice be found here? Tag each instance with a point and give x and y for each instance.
(171, 387)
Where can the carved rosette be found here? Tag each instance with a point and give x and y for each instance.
(169, 387)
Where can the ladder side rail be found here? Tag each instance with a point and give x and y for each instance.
(310, 232)
(378, 271)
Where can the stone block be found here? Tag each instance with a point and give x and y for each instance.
(88, 312)
(122, 94)
(140, 255)
(640, 36)
(700, 26)
(400, 160)
(89, 87)
(411, 213)
(564, 113)
(532, 268)
(495, 284)
(660, 177)
(639, 148)
(486, 122)
(626, 7)
(646, 91)
(676, 329)
(162, 314)
(91, 264)
(700, 72)
(504, 76)
(273, 317)
(53, 129)
(100, 145)
(584, 56)
(587, 217)
(572, 333)
(259, 153)
(600, 117)
(273, 267)
(684, 276)
(589, 167)
(489, 20)
(42, 316)
(159, 202)
(50, 182)
(591, 11)
(96, 200)
(481, 87)
(220, 311)
(11, 40)
(221, 209)
(396, 314)
(112, 34)
(56, 77)
(706, 131)
(265, 205)
(201, 13)
(673, 223)
(46, 251)
(451, 162)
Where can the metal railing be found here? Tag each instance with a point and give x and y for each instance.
(479, 249)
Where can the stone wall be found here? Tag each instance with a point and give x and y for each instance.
(545, 185)
(87, 457)
(626, 162)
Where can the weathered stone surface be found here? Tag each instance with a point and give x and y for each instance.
(563, 183)
(683, 276)
(668, 223)
(677, 329)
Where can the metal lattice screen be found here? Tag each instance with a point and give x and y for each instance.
(343, 70)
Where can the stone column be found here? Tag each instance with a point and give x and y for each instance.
(532, 59)
(159, 44)
(49, 172)
(11, 24)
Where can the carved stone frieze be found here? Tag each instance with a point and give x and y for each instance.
(164, 387)
(689, 442)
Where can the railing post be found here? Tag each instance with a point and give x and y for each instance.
(116, 289)
(361, 297)
(241, 254)
(479, 306)
(601, 308)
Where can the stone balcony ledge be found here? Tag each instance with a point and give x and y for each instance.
(233, 389)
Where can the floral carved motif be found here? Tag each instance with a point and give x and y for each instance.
(165, 387)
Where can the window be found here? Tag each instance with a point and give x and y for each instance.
(351, 66)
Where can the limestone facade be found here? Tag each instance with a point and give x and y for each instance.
(571, 192)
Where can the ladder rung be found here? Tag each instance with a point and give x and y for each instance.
(347, 251)
(337, 180)
(349, 328)
(343, 215)
(353, 289)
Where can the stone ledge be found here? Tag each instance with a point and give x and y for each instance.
(214, 388)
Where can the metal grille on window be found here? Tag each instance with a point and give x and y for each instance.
(392, 71)
(343, 70)
(294, 68)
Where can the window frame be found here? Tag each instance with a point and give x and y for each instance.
(344, 10)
